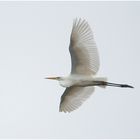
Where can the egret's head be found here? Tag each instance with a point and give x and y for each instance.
(53, 78)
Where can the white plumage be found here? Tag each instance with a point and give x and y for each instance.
(73, 98)
(85, 62)
(81, 82)
(83, 50)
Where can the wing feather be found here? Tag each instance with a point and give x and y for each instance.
(73, 97)
(83, 50)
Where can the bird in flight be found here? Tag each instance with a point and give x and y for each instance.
(81, 82)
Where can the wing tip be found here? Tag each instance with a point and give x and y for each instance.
(77, 21)
(81, 29)
(65, 111)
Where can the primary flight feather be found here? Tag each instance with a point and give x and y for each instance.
(81, 82)
(83, 50)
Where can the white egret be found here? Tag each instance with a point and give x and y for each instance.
(81, 83)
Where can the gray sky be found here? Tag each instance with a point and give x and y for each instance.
(34, 40)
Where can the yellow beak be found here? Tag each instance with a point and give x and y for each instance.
(52, 78)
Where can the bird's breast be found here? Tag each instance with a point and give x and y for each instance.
(66, 83)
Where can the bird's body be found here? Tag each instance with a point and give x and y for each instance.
(81, 82)
(77, 80)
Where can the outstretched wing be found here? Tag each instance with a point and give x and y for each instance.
(84, 54)
(73, 97)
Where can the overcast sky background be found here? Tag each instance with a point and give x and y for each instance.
(34, 40)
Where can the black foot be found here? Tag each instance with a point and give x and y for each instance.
(127, 86)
